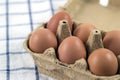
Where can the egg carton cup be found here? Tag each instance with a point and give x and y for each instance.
(48, 63)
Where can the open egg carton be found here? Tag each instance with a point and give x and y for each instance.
(105, 18)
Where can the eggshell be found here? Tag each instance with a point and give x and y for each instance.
(41, 39)
(103, 62)
(111, 41)
(54, 21)
(83, 31)
(71, 49)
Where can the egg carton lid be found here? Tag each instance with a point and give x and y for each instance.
(104, 16)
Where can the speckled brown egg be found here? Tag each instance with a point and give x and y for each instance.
(83, 31)
(111, 41)
(54, 21)
(71, 49)
(103, 62)
(41, 39)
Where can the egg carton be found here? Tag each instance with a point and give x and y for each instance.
(49, 64)
(81, 11)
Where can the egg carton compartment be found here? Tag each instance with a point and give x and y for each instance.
(81, 11)
(49, 64)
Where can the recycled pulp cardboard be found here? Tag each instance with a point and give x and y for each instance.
(81, 11)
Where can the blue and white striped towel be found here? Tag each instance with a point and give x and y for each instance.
(17, 19)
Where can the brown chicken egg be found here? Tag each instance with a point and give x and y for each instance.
(71, 49)
(41, 39)
(54, 21)
(103, 62)
(111, 41)
(83, 31)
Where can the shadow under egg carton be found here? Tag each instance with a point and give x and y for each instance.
(48, 64)
(119, 63)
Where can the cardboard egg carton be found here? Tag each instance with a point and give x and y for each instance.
(81, 11)
(49, 64)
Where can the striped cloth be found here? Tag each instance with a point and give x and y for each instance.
(17, 19)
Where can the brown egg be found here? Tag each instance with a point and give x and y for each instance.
(83, 31)
(54, 21)
(42, 39)
(111, 41)
(103, 62)
(71, 49)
